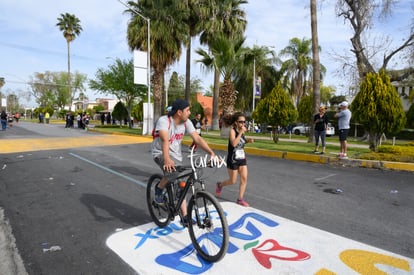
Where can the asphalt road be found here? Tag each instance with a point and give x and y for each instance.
(62, 204)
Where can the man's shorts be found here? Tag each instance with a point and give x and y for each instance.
(343, 133)
(167, 175)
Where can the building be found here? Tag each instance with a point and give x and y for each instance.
(207, 103)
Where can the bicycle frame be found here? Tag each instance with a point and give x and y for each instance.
(210, 244)
(174, 208)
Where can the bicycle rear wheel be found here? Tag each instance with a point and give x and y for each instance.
(208, 227)
(159, 213)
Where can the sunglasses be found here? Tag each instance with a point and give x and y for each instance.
(241, 121)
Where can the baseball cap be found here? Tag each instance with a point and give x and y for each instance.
(343, 104)
(179, 104)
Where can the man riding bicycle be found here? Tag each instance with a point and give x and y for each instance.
(166, 146)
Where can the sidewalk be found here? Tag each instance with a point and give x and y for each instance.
(323, 159)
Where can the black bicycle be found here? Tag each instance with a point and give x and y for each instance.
(207, 224)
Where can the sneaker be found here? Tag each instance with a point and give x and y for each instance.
(342, 156)
(322, 153)
(242, 202)
(218, 189)
(316, 152)
(159, 196)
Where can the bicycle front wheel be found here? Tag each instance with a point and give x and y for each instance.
(208, 227)
(160, 213)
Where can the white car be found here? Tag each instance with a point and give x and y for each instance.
(330, 131)
(304, 129)
(300, 129)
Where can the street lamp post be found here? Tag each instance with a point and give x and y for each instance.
(148, 64)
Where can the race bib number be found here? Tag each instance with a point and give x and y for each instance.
(239, 154)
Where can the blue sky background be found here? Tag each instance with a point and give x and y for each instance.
(30, 41)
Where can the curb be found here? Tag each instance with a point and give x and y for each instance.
(349, 162)
(325, 159)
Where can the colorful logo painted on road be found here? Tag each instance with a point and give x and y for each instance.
(259, 242)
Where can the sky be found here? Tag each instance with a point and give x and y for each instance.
(30, 41)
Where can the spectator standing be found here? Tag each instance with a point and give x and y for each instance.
(102, 118)
(236, 157)
(108, 119)
(17, 117)
(47, 117)
(344, 118)
(3, 117)
(321, 123)
(79, 120)
(67, 118)
(85, 121)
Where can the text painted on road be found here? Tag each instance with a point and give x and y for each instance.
(259, 242)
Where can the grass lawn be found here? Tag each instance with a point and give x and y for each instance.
(297, 144)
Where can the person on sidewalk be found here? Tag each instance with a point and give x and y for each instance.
(321, 123)
(166, 150)
(3, 120)
(236, 157)
(47, 117)
(344, 118)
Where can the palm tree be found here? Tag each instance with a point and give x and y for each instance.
(226, 57)
(167, 33)
(225, 18)
(316, 79)
(197, 11)
(263, 60)
(69, 24)
(298, 66)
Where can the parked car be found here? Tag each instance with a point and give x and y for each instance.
(10, 117)
(330, 131)
(304, 129)
(300, 129)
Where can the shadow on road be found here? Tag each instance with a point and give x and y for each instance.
(114, 209)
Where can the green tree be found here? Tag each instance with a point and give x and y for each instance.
(120, 113)
(305, 110)
(327, 92)
(316, 66)
(167, 33)
(175, 89)
(261, 60)
(410, 117)
(197, 17)
(118, 80)
(138, 110)
(61, 95)
(297, 67)
(335, 100)
(225, 58)
(227, 18)
(50, 89)
(70, 26)
(276, 108)
(378, 108)
(42, 86)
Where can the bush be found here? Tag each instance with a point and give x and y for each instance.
(405, 134)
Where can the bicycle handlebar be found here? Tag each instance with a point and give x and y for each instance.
(182, 168)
